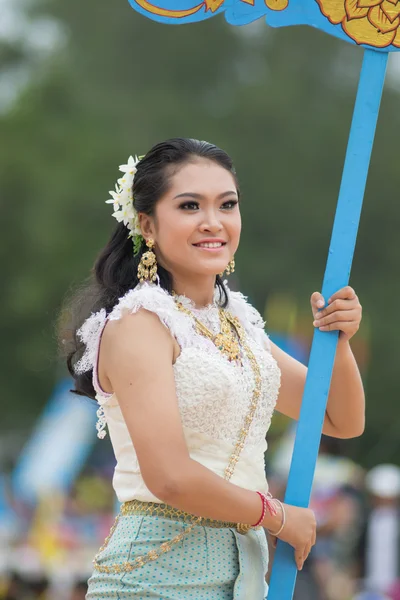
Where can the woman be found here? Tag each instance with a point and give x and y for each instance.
(187, 381)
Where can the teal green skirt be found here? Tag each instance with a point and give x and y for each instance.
(207, 564)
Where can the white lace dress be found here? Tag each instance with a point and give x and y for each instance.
(213, 393)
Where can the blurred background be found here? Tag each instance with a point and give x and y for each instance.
(82, 86)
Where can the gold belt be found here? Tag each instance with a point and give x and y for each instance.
(155, 509)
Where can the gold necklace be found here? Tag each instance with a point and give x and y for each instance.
(226, 341)
(140, 561)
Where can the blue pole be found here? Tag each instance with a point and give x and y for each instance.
(322, 356)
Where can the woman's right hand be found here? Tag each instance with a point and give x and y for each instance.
(299, 531)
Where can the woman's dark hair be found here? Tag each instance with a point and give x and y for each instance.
(115, 270)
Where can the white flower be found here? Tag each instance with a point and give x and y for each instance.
(118, 215)
(122, 198)
(130, 167)
(116, 198)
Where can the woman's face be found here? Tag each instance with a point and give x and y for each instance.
(201, 205)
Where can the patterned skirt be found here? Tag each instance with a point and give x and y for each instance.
(209, 563)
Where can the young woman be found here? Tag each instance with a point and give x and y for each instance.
(187, 382)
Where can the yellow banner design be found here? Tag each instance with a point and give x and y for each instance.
(212, 5)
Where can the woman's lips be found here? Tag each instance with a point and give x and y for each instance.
(215, 249)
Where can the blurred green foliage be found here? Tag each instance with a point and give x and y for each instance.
(280, 102)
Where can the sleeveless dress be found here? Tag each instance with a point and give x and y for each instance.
(213, 395)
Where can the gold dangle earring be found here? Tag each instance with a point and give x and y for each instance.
(230, 268)
(147, 269)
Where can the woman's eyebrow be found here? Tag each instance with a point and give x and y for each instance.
(201, 197)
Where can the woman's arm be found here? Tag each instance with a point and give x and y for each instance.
(345, 411)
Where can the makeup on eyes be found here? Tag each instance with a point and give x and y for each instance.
(183, 205)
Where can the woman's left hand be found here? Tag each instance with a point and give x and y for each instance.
(343, 312)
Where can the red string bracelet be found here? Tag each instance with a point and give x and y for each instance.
(268, 503)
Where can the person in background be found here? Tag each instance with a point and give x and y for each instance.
(379, 549)
(336, 500)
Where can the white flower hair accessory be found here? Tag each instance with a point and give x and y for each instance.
(122, 200)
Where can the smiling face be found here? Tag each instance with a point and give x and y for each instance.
(201, 205)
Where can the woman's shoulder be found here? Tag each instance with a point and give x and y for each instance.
(149, 296)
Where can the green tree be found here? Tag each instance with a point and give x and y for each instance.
(279, 101)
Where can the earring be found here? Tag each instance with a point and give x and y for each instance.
(147, 269)
(230, 268)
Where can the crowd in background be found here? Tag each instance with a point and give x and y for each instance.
(47, 552)
(47, 547)
(357, 553)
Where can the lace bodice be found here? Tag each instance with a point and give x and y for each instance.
(213, 393)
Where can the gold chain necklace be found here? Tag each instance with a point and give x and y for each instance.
(140, 561)
(226, 342)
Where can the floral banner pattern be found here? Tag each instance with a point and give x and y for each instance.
(370, 23)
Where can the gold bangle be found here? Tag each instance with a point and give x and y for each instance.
(283, 520)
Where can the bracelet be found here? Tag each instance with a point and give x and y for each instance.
(268, 502)
(283, 520)
(264, 501)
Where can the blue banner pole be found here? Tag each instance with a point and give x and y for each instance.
(322, 356)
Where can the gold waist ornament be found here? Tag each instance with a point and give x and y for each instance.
(229, 345)
(164, 511)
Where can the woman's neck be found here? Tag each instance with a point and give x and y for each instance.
(200, 291)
